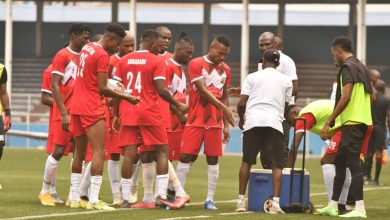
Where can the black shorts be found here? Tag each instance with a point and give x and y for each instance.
(377, 139)
(269, 142)
(352, 137)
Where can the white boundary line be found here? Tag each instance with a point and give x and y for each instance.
(188, 217)
(175, 218)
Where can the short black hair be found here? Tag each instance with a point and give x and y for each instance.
(79, 29)
(150, 34)
(185, 37)
(343, 42)
(290, 107)
(116, 29)
(223, 39)
(272, 56)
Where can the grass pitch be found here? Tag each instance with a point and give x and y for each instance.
(21, 177)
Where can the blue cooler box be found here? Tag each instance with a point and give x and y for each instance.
(260, 189)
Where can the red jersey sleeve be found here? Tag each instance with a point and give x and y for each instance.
(310, 122)
(160, 70)
(195, 71)
(59, 64)
(46, 81)
(102, 63)
(117, 71)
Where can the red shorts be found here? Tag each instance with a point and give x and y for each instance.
(145, 148)
(50, 144)
(150, 135)
(334, 144)
(113, 143)
(79, 124)
(193, 137)
(89, 154)
(174, 144)
(61, 137)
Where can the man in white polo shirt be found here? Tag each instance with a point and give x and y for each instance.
(261, 108)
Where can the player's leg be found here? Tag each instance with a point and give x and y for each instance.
(378, 166)
(174, 143)
(272, 144)
(96, 132)
(85, 184)
(192, 141)
(250, 151)
(148, 174)
(378, 152)
(212, 150)
(137, 165)
(81, 143)
(128, 142)
(61, 138)
(114, 176)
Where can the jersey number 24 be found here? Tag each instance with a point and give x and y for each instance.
(137, 84)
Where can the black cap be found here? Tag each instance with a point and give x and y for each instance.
(271, 56)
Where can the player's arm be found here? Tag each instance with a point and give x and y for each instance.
(241, 108)
(159, 84)
(225, 101)
(295, 88)
(206, 94)
(56, 80)
(47, 99)
(5, 100)
(104, 90)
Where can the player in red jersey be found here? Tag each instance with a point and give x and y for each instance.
(208, 108)
(127, 46)
(63, 73)
(89, 110)
(143, 73)
(47, 99)
(166, 36)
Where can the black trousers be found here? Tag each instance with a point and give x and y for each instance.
(348, 155)
(2, 136)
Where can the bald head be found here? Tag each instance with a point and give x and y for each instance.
(166, 35)
(266, 41)
(380, 86)
(375, 75)
(127, 45)
(279, 43)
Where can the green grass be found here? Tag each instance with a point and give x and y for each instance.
(21, 176)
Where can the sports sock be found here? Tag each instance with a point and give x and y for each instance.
(53, 187)
(345, 190)
(50, 168)
(113, 174)
(134, 177)
(182, 171)
(162, 185)
(96, 183)
(75, 180)
(148, 173)
(213, 173)
(175, 181)
(86, 181)
(329, 172)
(126, 184)
(360, 205)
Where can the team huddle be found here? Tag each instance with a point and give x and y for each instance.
(134, 104)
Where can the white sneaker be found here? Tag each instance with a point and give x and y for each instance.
(241, 206)
(56, 199)
(117, 200)
(275, 208)
(133, 195)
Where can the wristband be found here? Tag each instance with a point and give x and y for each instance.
(7, 112)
